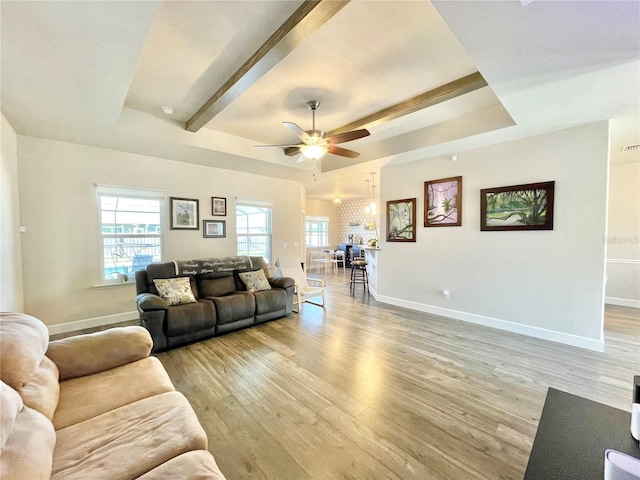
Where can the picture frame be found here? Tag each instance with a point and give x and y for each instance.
(517, 207)
(219, 206)
(443, 202)
(214, 228)
(401, 220)
(184, 213)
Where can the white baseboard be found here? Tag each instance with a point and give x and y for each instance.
(92, 322)
(623, 302)
(537, 332)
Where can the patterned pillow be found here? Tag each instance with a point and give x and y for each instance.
(255, 281)
(175, 291)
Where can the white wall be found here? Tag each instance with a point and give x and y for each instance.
(11, 292)
(548, 284)
(61, 248)
(325, 208)
(623, 238)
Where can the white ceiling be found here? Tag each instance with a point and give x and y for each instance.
(98, 73)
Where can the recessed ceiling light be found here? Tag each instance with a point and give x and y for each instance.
(167, 110)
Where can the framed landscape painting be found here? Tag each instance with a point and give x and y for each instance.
(443, 202)
(184, 214)
(517, 207)
(401, 220)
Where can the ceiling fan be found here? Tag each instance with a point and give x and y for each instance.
(315, 143)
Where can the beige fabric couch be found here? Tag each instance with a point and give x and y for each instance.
(93, 407)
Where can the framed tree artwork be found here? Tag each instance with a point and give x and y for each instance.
(184, 214)
(401, 220)
(443, 202)
(517, 207)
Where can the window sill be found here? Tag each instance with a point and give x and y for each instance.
(109, 285)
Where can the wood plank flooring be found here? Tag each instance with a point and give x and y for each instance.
(362, 390)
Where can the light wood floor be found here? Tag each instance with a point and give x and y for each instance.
(363, 390)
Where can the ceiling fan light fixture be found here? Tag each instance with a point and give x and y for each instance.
(314, 152)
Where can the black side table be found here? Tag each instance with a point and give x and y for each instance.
(573, 435)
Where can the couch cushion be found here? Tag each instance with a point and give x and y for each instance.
(86, 397)
(237, 306)
(28, 450)
(128, 441)
(195, 465)
(270, 300)
(23, 341)
(175, 291)
(10, 406)
(216, 287)
(255, 281)
(190, 317)
(95, 352)
(42, 389)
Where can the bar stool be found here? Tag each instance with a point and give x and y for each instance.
(359, 275)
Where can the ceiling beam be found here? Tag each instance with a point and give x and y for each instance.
(308, 18)
(440, 94)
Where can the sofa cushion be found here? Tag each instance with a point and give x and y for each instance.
(42, 390)
(28, 450)
(175, 291)
(237, 306)
(216, 287)
(23, 341)
(96, 352)
(255, 281)
(10, 406)
(270, 300)
(129, 441)
(190, 317)
(195, 465)
(86, 397)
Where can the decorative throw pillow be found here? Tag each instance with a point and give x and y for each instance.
(255, 281)
(175, 291)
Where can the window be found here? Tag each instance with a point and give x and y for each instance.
(131, 230)
(317, 231)
(253, 229)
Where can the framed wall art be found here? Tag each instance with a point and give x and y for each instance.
(219, 206)
(214, 228)
(401, 220)
(517, 207)
(184, 214)
(443, 202)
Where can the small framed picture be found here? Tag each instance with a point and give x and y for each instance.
(219, 206)
(214, 228)
(184, 214)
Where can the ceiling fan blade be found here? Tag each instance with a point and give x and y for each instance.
(286, 145)
(348, 136)
(292, 150)
(343, 152)
(292, 127)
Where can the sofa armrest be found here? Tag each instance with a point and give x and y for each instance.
(92, 353)
(282, 282)
(148, 302)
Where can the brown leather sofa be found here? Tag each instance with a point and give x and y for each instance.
(221, 303)
(93, 406)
